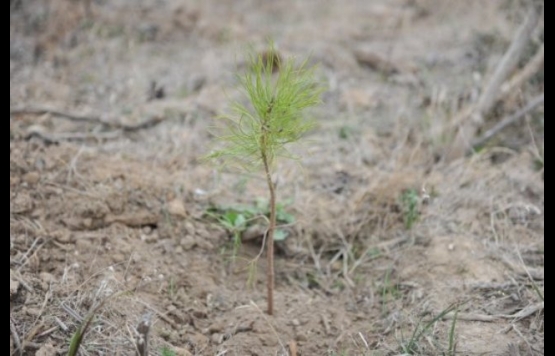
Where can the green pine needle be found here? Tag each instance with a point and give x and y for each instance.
(274, 117)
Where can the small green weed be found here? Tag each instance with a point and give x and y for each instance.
(452, 350)
(390, 291)
(345, 132)
(166, 351)
(78, 336)
(238, 219)
(410, 201)
(411, 347)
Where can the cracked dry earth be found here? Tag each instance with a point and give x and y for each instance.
(101, 213)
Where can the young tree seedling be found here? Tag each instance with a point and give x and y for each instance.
(255, 135)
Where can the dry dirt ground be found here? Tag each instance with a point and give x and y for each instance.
(106, 210)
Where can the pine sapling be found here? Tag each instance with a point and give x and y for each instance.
(255, 135)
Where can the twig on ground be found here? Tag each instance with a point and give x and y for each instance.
(531, 68)
(315, 257)
(89, 119)
(15, 337)
(142, 338)
(326, 324)
(244, 328)
(523, 338)
(37, 324)
(471, 317)
(64, 115)
(537, 275)
(488, 135)
(162, 316)
(25, 258)
(51, 138)
(529, 275)
(508, 63)
(47, 332)
(21, 281)
(62, 325)
(364, 341)
(524, 313)
(32, 333)
(468, 121)
(292, 348)
(72, 313)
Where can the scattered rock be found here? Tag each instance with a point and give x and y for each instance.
(177, 208)
(188, 242)
(31, 178)
(217, 338)
(253, 232)
(47, 278)
(358, 99)
(199, 341)
(217, 327)
(376, 62)
(200, 313)
(268, 340)
(149, 238)
(181, 352)
(14, 287)
(34, 312)
(173, 337)
(118, 257)
(179, 317)
(46, 350)
(14, 180)
(116, 203)
(190, 228)
(83, 244)
(301, 337)
(87, 223)
(205, 244)
(36, 130)
(21, 203)
(63, 236)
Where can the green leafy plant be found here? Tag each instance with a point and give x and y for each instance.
(255, 135)
(410, 201)
(166, 351)
(236, 220)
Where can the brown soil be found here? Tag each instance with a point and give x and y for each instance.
(100, 208)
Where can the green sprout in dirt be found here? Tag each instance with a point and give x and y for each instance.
(236, 220)
(411, 347)
(410, 201)
(166, 351)
(256, 134)
(79, 335)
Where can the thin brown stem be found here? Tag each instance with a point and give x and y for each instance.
(271, 228)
